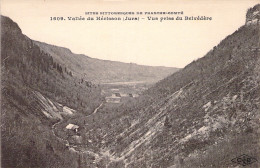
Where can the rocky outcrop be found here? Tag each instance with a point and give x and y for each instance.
(253, 15)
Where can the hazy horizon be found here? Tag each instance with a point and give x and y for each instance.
(151, 43)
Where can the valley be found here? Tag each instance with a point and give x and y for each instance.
(61, 109)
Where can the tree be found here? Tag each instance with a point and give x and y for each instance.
(167, 122)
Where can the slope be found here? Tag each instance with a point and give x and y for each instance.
(201, 116)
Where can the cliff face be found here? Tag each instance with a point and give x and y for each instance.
(253, 15)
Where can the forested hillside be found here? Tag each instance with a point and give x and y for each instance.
(27, 71)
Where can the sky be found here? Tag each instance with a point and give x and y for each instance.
(167, 43)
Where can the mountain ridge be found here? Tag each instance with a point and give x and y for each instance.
(103, 71)
(45, 43)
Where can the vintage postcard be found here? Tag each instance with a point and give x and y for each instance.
(130, 84)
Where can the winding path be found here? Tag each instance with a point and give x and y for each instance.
(66, 141)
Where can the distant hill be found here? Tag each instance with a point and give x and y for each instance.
(104, 71)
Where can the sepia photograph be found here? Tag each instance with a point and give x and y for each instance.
(130, 84)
